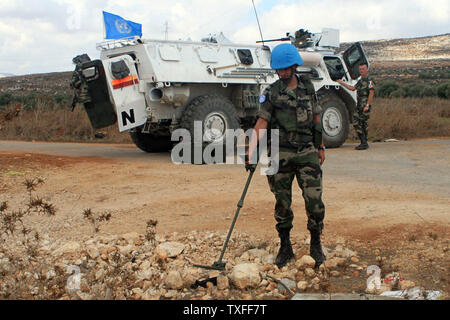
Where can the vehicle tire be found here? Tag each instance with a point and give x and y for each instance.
(150, 143)
(335, 120)
(217, 115)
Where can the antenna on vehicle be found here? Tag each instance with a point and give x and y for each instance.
(166, 30)
(257, 19)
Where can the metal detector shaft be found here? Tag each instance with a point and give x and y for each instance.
(239, 207)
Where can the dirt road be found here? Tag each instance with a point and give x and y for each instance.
(390, 184)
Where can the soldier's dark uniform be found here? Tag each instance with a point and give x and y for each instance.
(292, 112)
(361, 118)
(78, 83)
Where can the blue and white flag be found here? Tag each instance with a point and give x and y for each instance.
(117, 27)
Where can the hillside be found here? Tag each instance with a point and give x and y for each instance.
(4, 75)
(46, 83)
(424, 48)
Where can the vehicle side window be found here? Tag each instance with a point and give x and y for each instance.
(335, 68)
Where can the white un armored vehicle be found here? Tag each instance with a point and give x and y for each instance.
(152, 87)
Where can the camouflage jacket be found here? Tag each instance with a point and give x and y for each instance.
(363, 88)
(80, 88)
(290, 111)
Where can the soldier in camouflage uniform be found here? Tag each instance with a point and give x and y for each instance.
(365, 88)
(290, 105)
(78, 83)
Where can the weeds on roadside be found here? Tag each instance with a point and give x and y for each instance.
(151, 231)
(96, 219)
(24, 271)
(433, 236)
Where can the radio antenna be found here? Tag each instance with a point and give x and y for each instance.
(257, 19)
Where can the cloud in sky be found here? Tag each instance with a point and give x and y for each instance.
(43, 36)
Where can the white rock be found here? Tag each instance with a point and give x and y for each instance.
(269, 259)
(93, 252)
(50, 274)
(258, 253)
(138, 293)
(84, 296)
(302, 286)
(384, 288)
(145, 265)
(264, 283)
(69, 247)
(335, 273)
(151, 294)
(174, 280)
(222, 282)
(173, 249)
(144, 275)
(99, 274)
(126, 249)
(130, 237)
(245, 275)
(306, 262)
(406, 284)
(161, 253)
(309, 272)
(244, 257)
(347, 253)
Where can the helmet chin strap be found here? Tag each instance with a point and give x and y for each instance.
(288, 80)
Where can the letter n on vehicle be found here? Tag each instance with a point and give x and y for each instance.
(128, 117)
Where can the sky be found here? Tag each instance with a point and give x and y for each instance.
(43, 36)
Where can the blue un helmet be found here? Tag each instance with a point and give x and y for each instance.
(284, 56)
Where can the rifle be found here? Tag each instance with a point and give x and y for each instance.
(273, 40)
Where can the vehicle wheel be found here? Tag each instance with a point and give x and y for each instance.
(217, 115)
(335, 120)
(150, 143)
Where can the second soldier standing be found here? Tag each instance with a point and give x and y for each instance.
(365, 88)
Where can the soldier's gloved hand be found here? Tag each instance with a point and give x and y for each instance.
(250, 167)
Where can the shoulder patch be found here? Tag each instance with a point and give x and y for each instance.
(371, 85)
(262, 98)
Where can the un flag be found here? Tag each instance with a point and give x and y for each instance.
(117, 27)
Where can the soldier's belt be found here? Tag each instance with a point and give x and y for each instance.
(299, 145)
(294, 150)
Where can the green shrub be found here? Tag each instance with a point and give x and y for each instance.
(443, 91)
(415, 90)
(386, 88)
(5, 99)
(399, 93)
(429, 91)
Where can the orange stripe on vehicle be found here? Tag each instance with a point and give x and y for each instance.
(125, 82)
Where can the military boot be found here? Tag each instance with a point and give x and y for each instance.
(316, 249)
(364, 145)
(286, 253)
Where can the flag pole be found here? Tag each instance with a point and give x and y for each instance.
(104, 26)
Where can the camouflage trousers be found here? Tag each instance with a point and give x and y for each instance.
(361, 120)
(306, 168)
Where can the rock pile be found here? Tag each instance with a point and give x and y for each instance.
(130, 267)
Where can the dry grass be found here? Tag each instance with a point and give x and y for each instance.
(401, 118)
(409, 118)
(54, 124)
